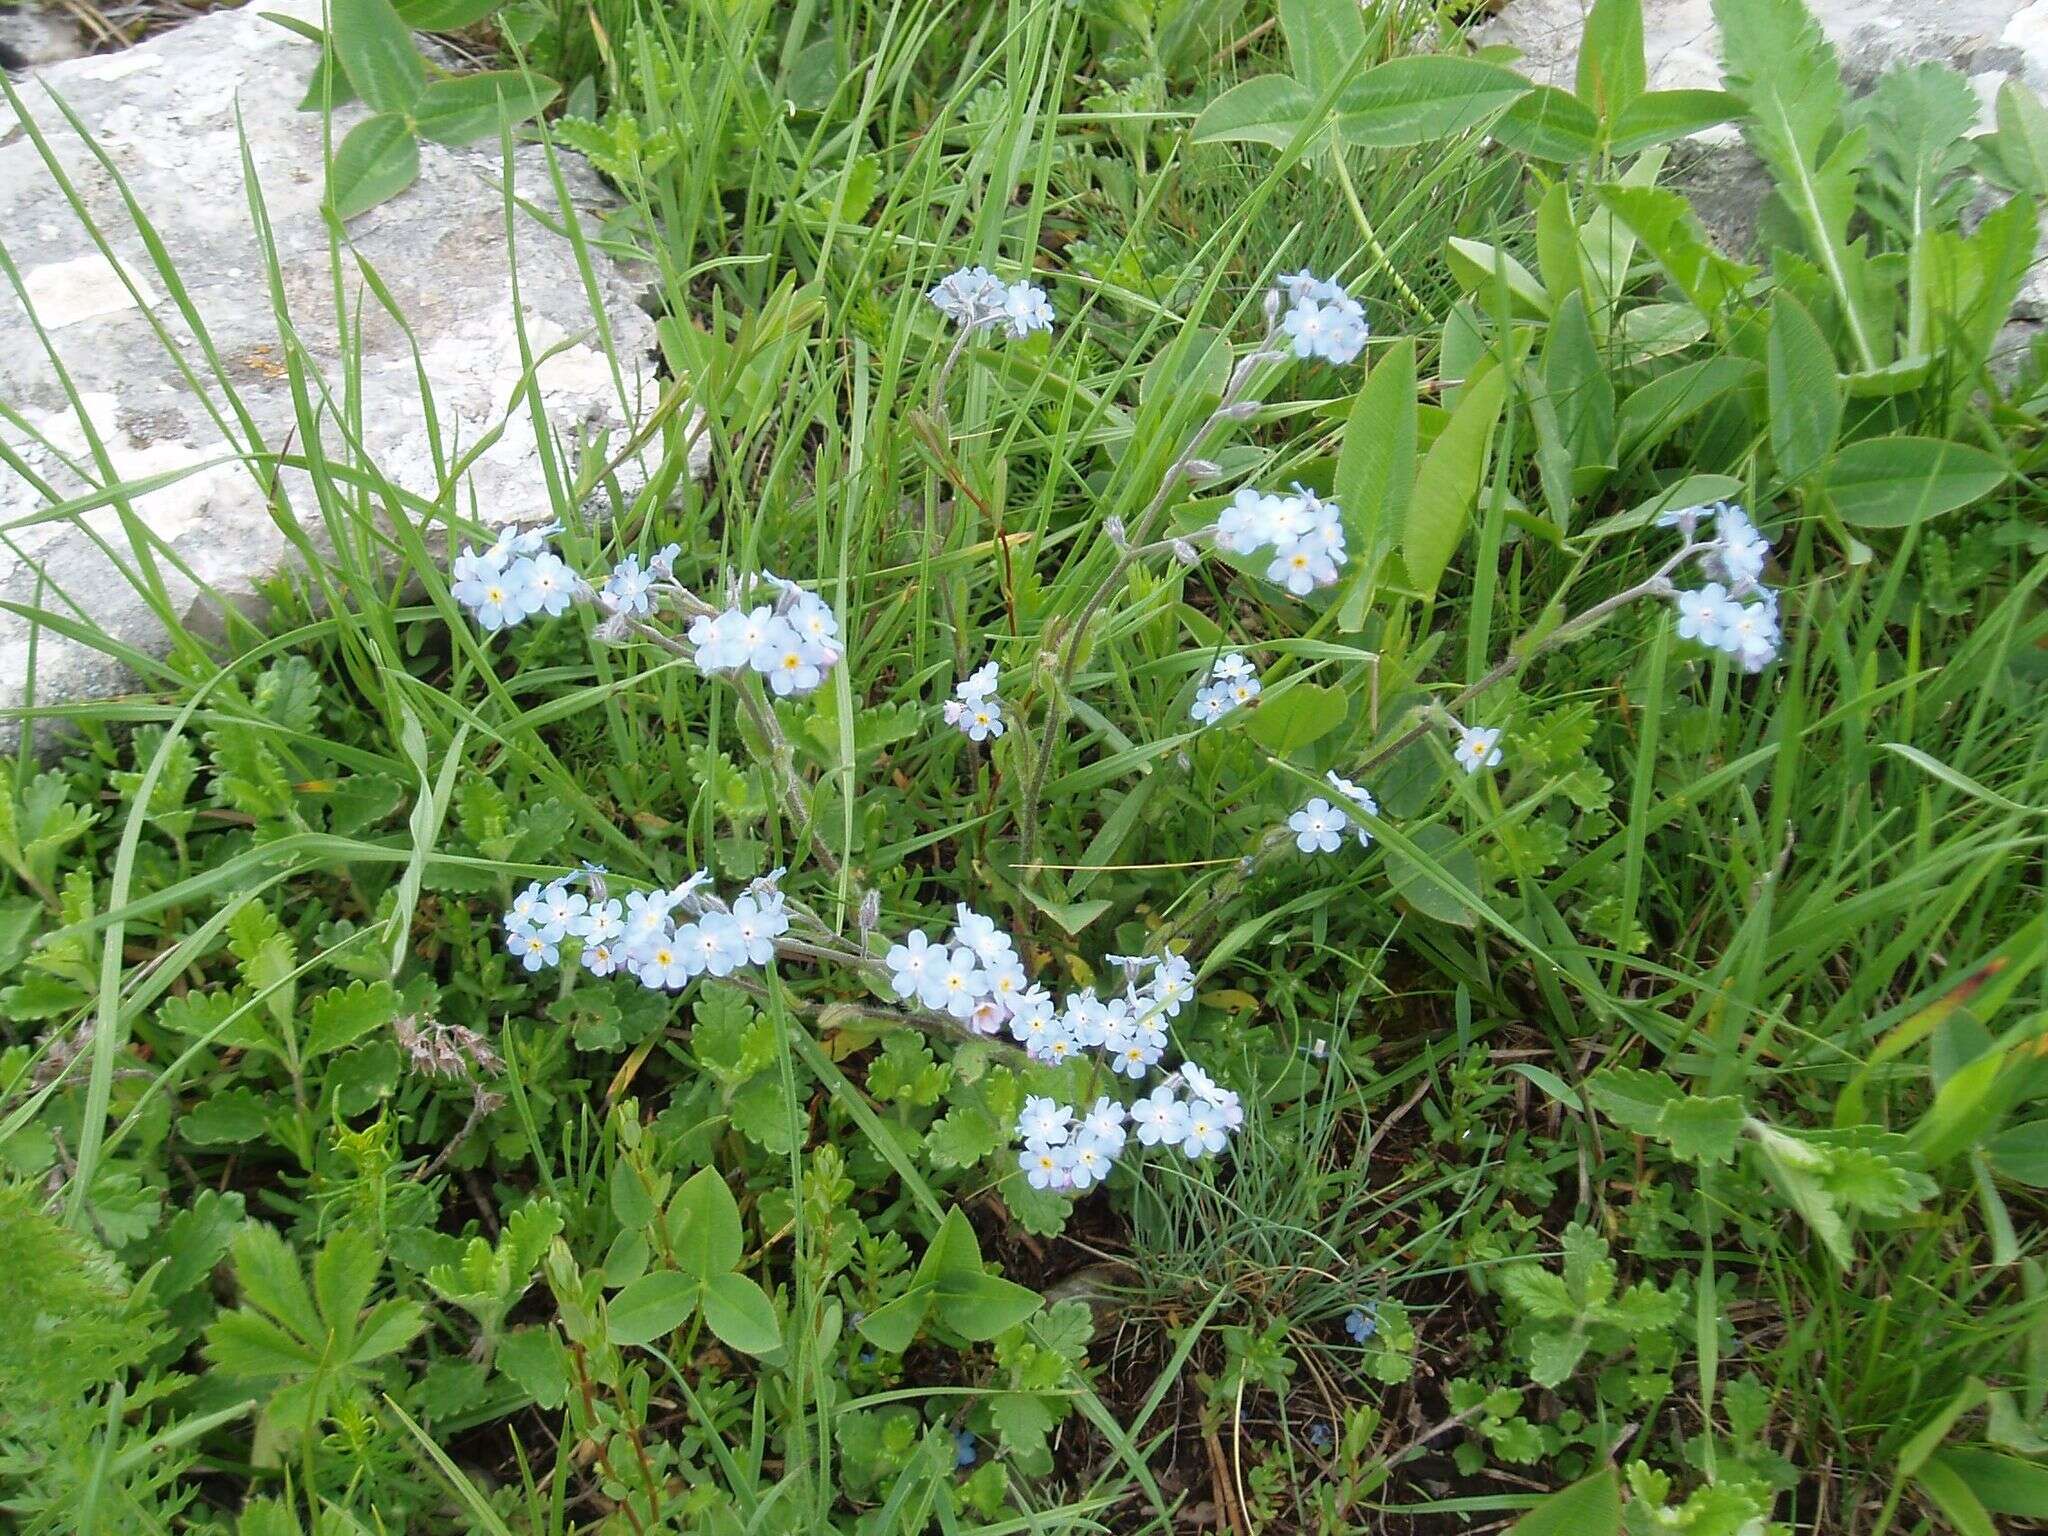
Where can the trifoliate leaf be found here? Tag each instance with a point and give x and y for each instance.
(650, 1307)
(740, 1313)
(704, 1230)
(980, 1306)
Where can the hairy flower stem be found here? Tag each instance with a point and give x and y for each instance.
(1138, 544)
(953, 358)
(1381, 260)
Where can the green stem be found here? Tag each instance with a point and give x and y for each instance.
(1383, 263)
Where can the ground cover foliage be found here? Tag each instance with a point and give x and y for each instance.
(1633, 1051)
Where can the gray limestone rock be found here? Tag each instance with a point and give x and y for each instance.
(166, 114)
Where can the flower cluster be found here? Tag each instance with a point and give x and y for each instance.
(977, 977)
(517, 577)
(1732, 561)
(1232, 685)
(792, 641)
(1319, 826)
(1305, 533)
(641, 935)
(1065, 1150)
(629, 590)
(974, 710)
(974, 297)
(1322, 320)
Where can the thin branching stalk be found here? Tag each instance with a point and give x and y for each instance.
(1060, 675)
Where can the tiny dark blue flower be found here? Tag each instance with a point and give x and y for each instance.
(964, 1452)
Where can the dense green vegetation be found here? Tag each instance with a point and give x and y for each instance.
(1654, 1114)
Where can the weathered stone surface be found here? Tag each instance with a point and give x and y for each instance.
(33, 34)
(1989, 41)
(165, 112)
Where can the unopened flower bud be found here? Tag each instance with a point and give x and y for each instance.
(615, 630)
(1271, 308)
(869, 915)
(1201, 471)
(1114, 527)
(1186, 553)
(1241, 410)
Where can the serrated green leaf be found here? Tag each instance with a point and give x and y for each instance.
(243, 1344)
(962, 1137)
(1555, 1354)
(390, 1326)
(226, 1118)
(343, 1015)
(1701, 1129)
(1632, 1098)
